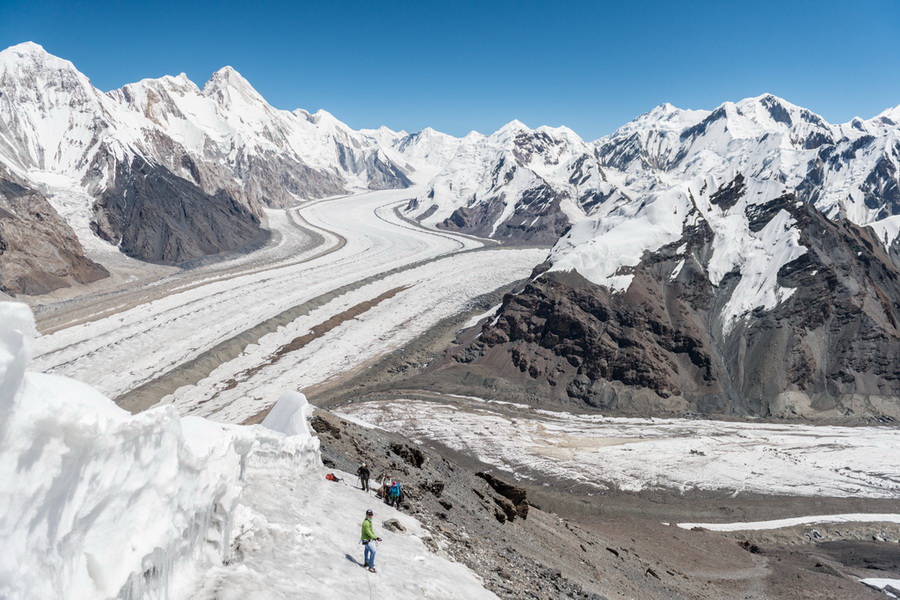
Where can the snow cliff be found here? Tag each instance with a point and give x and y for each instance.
(102, 504)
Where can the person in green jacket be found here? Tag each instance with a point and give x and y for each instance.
(368, 536)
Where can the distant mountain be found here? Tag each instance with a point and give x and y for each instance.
(517, 185)
(522, 184)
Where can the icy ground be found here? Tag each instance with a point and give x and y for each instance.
(308, 547)
(97, 503)
(593, 453)
(406, 278)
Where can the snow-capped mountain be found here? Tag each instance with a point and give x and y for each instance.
(847, 170)
(517, 184)
(531, 184)
(721, 269)
(713, 296)
(278, 156)
(167, 171)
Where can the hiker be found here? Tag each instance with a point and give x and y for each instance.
(368, 540)
(394, 494)
(363, 473)
(384, 484)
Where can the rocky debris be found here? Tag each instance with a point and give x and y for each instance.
(324, 426)
(393, 525)
(459, 509)
(436, 488)
(39, 251)
(749, 547)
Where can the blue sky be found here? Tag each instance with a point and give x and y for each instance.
(458, 66)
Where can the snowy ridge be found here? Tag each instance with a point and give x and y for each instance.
(504, 184)
(604, 247)
(840, 168)
(849, 170)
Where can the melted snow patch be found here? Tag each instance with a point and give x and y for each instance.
(792, 522)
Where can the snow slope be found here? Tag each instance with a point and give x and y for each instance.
(101, 504)
(678, 157)
(603, 247)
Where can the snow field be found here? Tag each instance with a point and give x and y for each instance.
(300, 539)
(810, 520)
(598, 453)
(888, 586)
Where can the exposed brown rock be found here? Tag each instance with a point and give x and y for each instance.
(39, 252)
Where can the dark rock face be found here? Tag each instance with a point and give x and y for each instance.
(537, 218)
(513, 498)
(39, 252)
(411, 455)
(660, 346)
(158, 217)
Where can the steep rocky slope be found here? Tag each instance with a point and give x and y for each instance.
(604, 546)
(152, 214)
(39, 252)
(742, 301)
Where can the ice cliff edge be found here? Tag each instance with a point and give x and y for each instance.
(98, 503)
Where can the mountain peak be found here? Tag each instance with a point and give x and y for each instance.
(889, 117)
(514, 125)
(27, 48)
(664, 117)
(34, 54)
(227, 80)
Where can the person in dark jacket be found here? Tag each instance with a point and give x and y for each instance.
(368, 539)
(363, 473)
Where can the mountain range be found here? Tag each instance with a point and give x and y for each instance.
(741, 260)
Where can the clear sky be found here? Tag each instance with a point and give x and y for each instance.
(460, 65)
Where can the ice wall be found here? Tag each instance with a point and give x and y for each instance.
(97, 503)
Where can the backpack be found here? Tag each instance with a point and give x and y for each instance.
(331, 477)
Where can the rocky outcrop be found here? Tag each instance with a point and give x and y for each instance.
(39, 252)
(153, 215)
(536, 219)
(512, 497)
